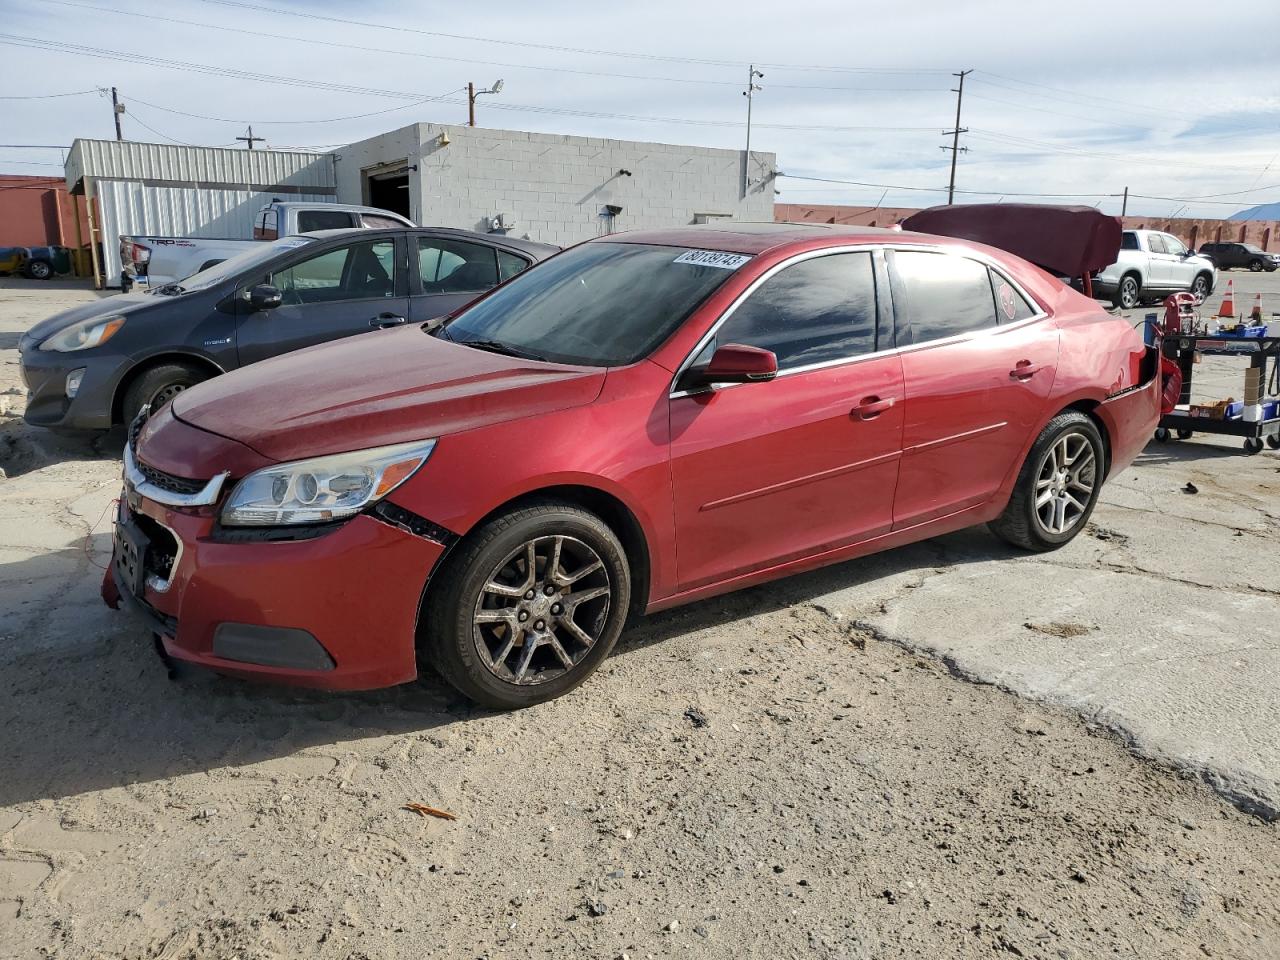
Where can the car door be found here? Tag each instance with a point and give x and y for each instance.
(449, 273)
(979, 361)
(344, 289)
(1160, 273)
(767, 472)
(1237, 256)
(1181, 270)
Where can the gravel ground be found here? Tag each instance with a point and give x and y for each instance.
(777, 773)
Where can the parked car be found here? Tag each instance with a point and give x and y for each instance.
(151, 261)
(102, 362)
(35, 263)
(1228, 256)
(1151, 266)
(641, 421)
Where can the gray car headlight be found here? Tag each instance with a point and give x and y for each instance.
(323, 488)
(93, 332)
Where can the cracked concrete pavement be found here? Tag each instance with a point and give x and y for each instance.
(950, 808)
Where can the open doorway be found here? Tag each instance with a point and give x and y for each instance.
(387, 186)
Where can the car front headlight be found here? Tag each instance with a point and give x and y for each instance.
(93, 332)
(323, 488)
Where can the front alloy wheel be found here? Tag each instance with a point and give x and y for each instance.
(527, 605)
(1127, 294)
(1058, 485)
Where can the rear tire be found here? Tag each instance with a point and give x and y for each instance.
(155, 387)
(486, 630)
(1127, 293)
(1057, 487)
(41, 269)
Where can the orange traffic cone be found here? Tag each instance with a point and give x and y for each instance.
(1228, 302)
(1255, 315)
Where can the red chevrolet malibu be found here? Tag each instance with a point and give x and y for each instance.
(641, 421)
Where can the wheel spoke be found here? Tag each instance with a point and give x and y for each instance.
(1043, 498)
(559, 651)
(552, 572)
(503, 590)
(526, 657)
(576, 631)
(570, 579)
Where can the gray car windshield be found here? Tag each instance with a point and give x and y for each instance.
(234, 266)
(600, 304)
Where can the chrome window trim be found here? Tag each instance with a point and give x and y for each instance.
(873, 249)
(137, 480)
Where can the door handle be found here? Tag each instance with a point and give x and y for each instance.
(871, 407)
(387, 320)
(1024, 370)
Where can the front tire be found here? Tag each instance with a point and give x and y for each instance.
(528, 606)
(1255, 266)
(1057, 487)
(153, 388)
(39, 269)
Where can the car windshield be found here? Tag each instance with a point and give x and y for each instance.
(1251, 248)
(234, 266)
(600, 304)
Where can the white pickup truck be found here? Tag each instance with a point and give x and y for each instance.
(151, 262)
(1153, 265)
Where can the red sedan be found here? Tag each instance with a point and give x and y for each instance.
(641, 421)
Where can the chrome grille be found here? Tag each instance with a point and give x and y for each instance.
(167, 481)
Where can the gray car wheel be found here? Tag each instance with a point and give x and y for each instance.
(1126, 297)
(1200, 287)
(39, 269)
(1255, 266)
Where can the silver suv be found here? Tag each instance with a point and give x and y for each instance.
(1153, 265)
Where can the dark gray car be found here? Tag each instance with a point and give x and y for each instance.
(100, 363)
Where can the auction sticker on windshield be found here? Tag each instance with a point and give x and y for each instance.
(713, 258)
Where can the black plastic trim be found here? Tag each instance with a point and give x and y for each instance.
(410, 522)
(307, 531)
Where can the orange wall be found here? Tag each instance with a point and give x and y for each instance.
(1265, 233)
(38, 212)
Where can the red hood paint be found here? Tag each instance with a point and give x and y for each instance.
(379, 388)
(182, 450)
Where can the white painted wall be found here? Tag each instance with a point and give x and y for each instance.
(555, 187)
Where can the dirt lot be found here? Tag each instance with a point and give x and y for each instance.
(777, 773)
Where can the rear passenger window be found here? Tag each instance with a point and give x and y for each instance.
(1129, 241)
(324, 220)
(509, 265)
(454, 266)
(811, 312)
(1011, 306)
(1155, 244)
(266, 226)
(945, 295)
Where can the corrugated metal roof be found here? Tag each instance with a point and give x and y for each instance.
(130, 160)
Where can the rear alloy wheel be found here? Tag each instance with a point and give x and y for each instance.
(1127, 293)
(528, 606)
(1057, 487)
(1200, 288)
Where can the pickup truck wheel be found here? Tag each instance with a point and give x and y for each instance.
(1126, 297)
(1200, 287)
(43, 269)
(155, 387)
(1255, 266)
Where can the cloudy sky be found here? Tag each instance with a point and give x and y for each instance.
(1077, 99)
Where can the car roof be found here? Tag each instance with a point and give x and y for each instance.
(754, 238)
(497, 239)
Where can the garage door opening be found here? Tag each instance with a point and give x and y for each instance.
(388, 188)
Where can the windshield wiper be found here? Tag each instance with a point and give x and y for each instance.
(497, 346)
(171, 289)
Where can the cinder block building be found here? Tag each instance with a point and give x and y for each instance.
(550, 187)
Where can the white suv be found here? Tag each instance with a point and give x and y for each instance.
(1153, 265)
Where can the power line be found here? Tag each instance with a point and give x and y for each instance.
(47, 96)
(354, 116)
(1070, 95)
(562, 49)
(1029, 143)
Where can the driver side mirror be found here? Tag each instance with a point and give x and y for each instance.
(734, 363)
(264, 297)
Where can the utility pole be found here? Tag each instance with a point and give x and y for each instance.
(472, 93)
(752, 88)
(955, 147)
(251, 139)
(117, 108)
(1124, 204)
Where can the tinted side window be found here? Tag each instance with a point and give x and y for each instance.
(814, 311)
(1011, 306)
(945, 295)
(1155, 243)
(1129, 241)
(453, 266)
(324, 220)
(509, 265)
(265, 228)
(357, 272)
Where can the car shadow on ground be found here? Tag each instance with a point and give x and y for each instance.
(24, 448)
(85, 713)
(1200, 447)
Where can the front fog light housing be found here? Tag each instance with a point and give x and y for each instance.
(323, 488)
(73, 382)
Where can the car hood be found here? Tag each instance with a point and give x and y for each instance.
(388, 386)
(122, 304)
